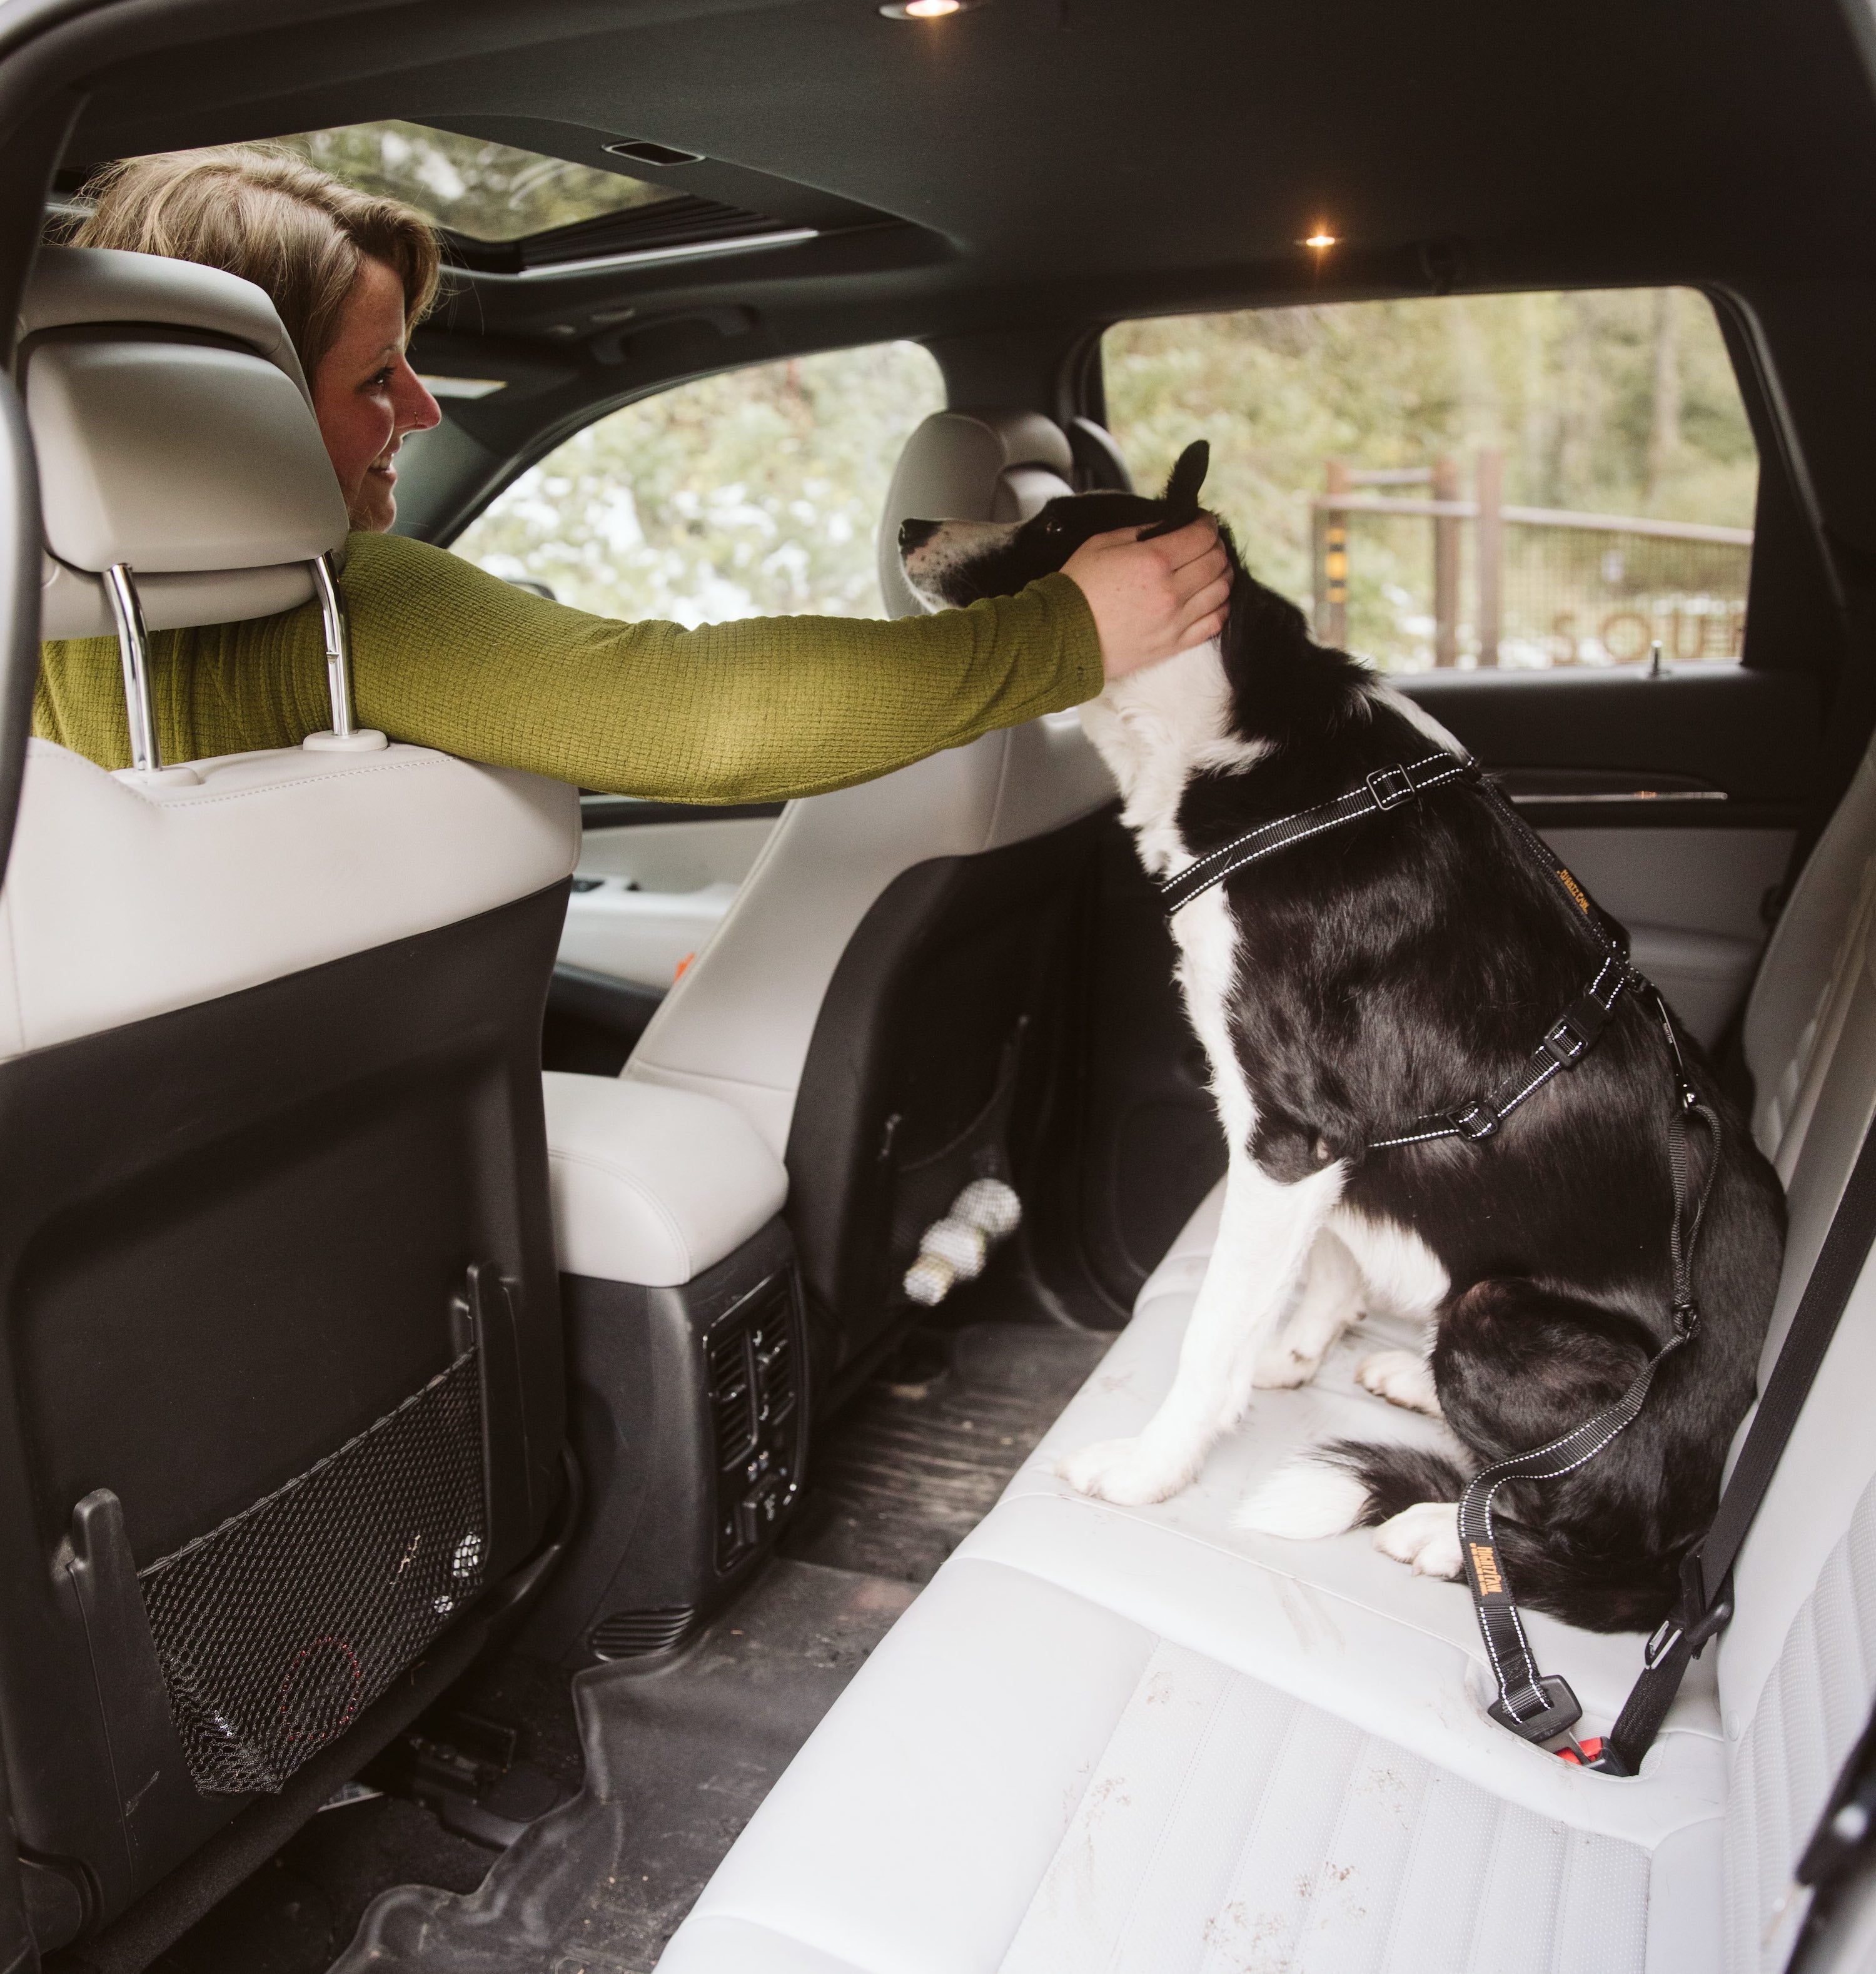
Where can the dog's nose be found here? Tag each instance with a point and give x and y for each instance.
(915, 534)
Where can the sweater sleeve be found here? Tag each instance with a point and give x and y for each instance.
(447, 656)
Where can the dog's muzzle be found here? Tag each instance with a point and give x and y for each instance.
(915, 534)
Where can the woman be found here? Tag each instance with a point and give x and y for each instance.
(447, 656)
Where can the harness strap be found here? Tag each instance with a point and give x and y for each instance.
(1386, 788)
(1534, 1705)
(1562, 1046)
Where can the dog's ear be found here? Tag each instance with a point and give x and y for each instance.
(1188, 476)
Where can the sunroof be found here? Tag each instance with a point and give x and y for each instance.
(484, 191)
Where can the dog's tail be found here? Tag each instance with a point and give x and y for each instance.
(1559, 1568)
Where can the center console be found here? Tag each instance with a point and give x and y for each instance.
(686, 1352)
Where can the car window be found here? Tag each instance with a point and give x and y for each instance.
(754, 493)
(1523, 480)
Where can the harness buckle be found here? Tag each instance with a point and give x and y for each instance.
(1564, 1043)
(1390, 787)
(1478, 1120)
(1561, 1709)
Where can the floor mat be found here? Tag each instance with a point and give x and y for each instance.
(302, 1907)
(677, 1759)
(918, 1459)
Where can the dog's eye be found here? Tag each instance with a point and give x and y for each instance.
(1051, 524)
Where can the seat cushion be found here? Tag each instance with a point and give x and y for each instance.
(1143, 1739)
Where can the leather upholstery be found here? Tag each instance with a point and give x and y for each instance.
(1231, 1747)
(127, 898)
(738, 1023)
(74, 287)
(969, 465)
(653, 1185)
(174, 433)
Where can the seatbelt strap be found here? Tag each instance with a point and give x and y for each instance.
(1707, 1573)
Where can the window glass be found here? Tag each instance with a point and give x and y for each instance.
(1523, 480)
(753, 494)
(487, 192)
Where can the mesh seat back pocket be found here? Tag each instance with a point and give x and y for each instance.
(278, 1629)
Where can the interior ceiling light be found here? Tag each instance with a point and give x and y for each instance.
(643, 151)
(925, 10)
(1321, 238)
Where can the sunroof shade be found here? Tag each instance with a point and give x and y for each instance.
(486, 192)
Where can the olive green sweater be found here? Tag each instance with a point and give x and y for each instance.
(447, 656)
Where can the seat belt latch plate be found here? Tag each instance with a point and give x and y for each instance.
(1390, 787)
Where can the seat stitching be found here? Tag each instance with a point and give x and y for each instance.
(634, 1184)
(1409, 1863)
(187, 805)
(1254, 1820)
(1179, 1793)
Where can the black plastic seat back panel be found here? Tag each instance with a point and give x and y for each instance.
(925, 1037)
(231, 1238)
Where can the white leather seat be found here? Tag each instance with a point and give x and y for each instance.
(1141, 1739)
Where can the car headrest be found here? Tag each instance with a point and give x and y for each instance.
(175, 436)
(969, 465)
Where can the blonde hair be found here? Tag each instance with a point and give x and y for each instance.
(258, 211)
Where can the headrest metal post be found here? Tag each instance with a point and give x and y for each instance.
(337, 646)
(133, 650)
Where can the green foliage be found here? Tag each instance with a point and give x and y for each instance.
(755, 493)
(1574, 388)
(489, 191)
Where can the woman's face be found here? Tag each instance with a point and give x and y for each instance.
(366, 396)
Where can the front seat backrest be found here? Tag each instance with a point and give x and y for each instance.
(885, 889)
(281, 1396)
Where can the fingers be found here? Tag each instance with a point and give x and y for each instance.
(1193, 542)
(1202, 632)
(1200, 574)
(1206, 604)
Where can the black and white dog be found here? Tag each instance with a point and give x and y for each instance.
(1379, 973)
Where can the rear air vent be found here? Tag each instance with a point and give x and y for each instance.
(630, 1634)
(774, 1368)
(732, 1397)
(753, 1362)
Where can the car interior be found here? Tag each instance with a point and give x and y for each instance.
(489, 1477)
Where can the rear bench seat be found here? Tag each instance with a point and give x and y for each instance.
(1142, 1741)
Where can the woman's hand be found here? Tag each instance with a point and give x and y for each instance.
(1152, 599)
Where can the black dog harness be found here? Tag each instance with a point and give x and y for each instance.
(1533, 1705)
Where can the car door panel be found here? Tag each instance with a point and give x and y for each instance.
(1674, 798)
(647, 895)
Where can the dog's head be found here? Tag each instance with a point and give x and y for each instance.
(951, 563)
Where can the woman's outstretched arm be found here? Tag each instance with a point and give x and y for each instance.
(451, 657)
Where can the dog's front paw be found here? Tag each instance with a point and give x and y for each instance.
(1125, 1471)
(1426, 1536)
(1403, 1377)
(1303, 1501)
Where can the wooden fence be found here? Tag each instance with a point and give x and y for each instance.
(1681, 583)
